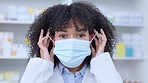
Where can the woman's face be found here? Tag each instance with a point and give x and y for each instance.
(72, 32)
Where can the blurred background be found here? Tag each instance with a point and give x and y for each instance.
(130, 17)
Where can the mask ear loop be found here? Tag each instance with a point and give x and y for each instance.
(93, 37)
(51, 39)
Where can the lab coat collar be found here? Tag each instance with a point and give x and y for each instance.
(81, 71)
(88, 77)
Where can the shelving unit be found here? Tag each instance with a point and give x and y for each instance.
(129, 25)
(15, 22)
(30, 22)
(13, 57)
(128, 59)
(127, 67)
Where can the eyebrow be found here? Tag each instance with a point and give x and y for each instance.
(62, 30)
(79, 30)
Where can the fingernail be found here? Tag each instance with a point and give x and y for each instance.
(96, 31)
(42, 30)
(101, 29)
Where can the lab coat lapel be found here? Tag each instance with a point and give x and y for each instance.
(88, 77)
(56, 78)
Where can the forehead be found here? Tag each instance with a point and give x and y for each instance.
(74, 25)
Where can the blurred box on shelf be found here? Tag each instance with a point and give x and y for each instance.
(130, 46)
(120, 50)
(1, 43)
(19, 50)
(12, 76)
(8, 48)
(7, 43)
(126, 38)
(21, 13)
(127, 18)
(1, 76)
(121, 18)
(9, 76)
(135, 18)
(12, 13)
(137, 45)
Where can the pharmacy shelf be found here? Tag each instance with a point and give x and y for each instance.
(128, 58)
(14, 57)
(15, 22)
(30, 22)
(128, 25)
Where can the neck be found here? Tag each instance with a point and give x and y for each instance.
(74, 70)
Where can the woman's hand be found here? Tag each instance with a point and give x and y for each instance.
(43, 44)
(100, 42)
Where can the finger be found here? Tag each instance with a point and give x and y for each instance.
(51, 51)
(46, 39)
(41, 34)
(104, 39)
(40, 45)
(104, 36)
(100, 39)
(48, 33)
(51, 54)
(41, 53)
(43, 41)
(40, 39)
(40, 42)
(96, 32)
(96, 43)
(48, 42)
(93, 51)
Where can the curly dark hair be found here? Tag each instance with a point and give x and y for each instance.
(57, 17)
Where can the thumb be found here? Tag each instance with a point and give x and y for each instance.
(52, 55)
(93, 51)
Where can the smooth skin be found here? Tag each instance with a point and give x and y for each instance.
(71, 32)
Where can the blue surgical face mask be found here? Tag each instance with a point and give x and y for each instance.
(72, 52)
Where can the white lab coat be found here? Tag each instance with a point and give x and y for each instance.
(101, 70)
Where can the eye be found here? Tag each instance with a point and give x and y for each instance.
(63, 36)
(81, 36)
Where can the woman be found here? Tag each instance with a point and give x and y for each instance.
(71, 44)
